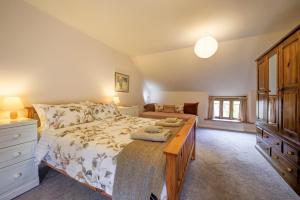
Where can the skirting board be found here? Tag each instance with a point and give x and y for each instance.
(230, 126)
(20, 189)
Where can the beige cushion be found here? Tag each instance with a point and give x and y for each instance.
(169, 108)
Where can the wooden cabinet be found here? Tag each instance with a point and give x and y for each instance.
(278, 107)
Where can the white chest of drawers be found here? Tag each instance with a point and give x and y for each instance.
(129, 110)
(18, 171)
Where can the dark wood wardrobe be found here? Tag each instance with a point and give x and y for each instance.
(278, 107)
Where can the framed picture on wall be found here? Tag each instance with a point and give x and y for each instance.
(121, 82)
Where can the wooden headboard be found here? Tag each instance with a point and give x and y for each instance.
(32, 114)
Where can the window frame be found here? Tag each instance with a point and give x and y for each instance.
(231, 100)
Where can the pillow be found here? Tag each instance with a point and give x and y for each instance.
(60, 116)
(149, 107)
(87, 103)
(104, 111)
(169, 108)
(40, 110)
(191, 108)
(179, 108)
(159, 108)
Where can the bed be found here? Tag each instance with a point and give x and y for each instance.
(87, 152)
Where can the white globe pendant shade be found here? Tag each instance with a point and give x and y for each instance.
(206, 47)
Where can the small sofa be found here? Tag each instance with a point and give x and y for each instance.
(162, 115)
(185, 111)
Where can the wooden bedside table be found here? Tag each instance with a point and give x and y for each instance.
(129, 110)
(18, 171)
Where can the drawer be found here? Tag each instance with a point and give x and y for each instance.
(14, 154)
(290, 153)
(259, 132)
(17, 135)
(15, 175)
(264, 146)
(276, 144)
(267, 137)
(286, 169)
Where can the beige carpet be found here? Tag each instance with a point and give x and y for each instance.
(227, 167)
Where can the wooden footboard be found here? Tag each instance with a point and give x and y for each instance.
(179, 153)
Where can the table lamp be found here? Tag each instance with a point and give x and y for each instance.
(116, 100)
(12, 104)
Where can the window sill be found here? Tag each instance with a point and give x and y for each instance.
(226, 120)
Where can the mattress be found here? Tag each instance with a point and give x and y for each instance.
(88, 152)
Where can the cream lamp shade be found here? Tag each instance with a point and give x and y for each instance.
(205, 47)
(116, 100)
(12, 104)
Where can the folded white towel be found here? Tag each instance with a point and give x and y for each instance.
(155, 137)
(153, 129)
(167, 124)
(171, 120)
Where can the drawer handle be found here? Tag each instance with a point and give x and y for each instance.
(18, 175)
(277, 143)
(17, 154)
(266, 136)
(290, 153)
(289, 170)
(16, 136)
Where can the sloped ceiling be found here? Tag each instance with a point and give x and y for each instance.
(231, 71)
(139, 27)
(159, 36)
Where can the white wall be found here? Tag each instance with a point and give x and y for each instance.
(46, 61)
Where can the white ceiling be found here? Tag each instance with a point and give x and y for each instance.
(139, 27)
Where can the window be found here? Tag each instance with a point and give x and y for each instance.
(226, 108)
(236, 110)
(216, 108)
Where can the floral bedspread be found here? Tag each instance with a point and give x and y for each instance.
(87, 152)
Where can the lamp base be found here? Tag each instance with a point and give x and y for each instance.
(13, 115)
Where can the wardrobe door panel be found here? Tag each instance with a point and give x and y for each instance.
(262, 107)
(290, 62)
(290, 111)
(262, 69)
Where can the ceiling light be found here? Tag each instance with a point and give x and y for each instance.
(205, 47)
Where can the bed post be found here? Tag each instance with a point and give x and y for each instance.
(194, 149)
(179, 152)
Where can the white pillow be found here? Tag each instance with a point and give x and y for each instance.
(104, 111)
(179, 108)
(61, 116)
(43, 109)
(159, 107)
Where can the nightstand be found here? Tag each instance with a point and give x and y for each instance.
(18, 171)
(129, 110)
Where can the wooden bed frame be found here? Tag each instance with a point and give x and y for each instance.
(178, 153)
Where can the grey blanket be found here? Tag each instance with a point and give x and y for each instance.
(141, 170)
